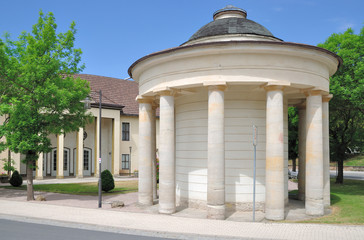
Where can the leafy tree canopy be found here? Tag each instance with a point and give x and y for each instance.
(38, 94)
(292, 133)
(347, 105)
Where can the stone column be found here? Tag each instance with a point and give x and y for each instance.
(39, 172)
(326, 148)
(116, 145)
(301, 151)
(79, 164)
(145, 196)
(285, 142)
(60, 156)
(274, 178)
(154, 167)
(167, 162)
(314, 155)
(17, 158)
(216, 154)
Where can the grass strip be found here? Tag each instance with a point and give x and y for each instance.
(347, 204)
(82, 188)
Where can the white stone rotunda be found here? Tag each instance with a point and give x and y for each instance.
(230, 75)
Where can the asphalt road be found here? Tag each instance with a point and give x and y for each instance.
(356, 175)
(14, 230)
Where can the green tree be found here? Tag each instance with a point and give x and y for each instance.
(38, 94)
(293, 136)
(347, 105)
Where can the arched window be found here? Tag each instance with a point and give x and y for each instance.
(66, 158)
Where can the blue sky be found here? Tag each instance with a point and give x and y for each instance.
(114, 33)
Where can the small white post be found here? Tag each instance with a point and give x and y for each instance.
(255, 138)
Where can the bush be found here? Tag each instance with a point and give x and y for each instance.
(107, 181)
(16, 180)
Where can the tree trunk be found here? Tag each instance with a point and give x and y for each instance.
(294, 164)
(9, 162)
(340, 171)
(30, 159)
(30, 192)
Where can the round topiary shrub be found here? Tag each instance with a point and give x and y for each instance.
(16, 180)
(107, 181)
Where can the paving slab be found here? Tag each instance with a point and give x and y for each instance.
(187, 223)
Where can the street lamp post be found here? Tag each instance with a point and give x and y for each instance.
(100, 187)
(87, 102)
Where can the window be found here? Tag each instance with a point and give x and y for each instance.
(86, 159)
(66, 158)
(125, 160)
(126, 132)
(55, 160)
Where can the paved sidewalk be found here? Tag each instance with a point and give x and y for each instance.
(75, 180)
(82, 212)
(176, 227)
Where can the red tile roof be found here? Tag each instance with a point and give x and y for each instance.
(116, 92)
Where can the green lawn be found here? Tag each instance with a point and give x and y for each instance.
(83, 188)
(355, 161)
(347, 204)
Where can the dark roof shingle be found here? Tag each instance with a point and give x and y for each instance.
(115, 91)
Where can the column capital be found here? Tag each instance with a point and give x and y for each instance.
(327, 98)
(301, 105)
(274, 86)
(215, 85)
(155, 105)
(269, 88)
(165, 91)
(313, 92)
(143, 99)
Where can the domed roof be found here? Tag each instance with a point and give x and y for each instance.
(231, 20)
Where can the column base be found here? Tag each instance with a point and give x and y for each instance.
(327, 202)
(301, 197)
(60, 177)
(274, 214)
(145, 200)
(216, 212)
(79, 176)
(167, 211)
(39, 178)
(314, 207)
